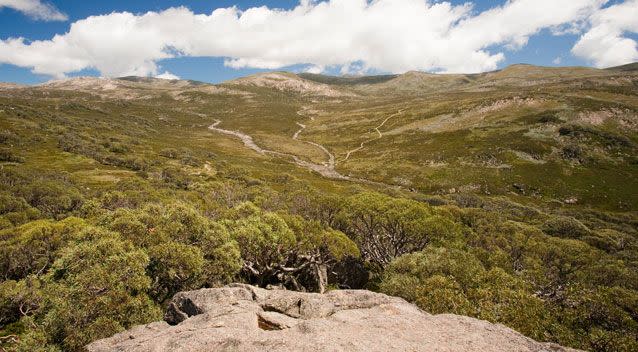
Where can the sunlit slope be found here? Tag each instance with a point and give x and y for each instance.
(543, 135)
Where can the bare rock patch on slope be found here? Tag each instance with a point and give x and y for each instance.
(129, 88)
(289, 82)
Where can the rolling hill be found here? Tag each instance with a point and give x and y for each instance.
(510, 196)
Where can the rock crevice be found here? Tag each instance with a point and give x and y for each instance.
(246, 318)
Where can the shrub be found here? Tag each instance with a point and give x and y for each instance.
(18, 299)
(572, 152)
(280, 249)
(441, 280)
(170, 153)
(385, 228)
(7, 155)
(154, 225)
(7, 137)
(174, 267)
(96, 288)
(52, 197)
(611, 241)
(32, 248)
(565, 227)
(118, 148)
(15, 211)
(175, 177)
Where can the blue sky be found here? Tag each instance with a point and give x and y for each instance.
(15, 24)
(542, 46)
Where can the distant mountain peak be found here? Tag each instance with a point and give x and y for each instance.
(287, 81)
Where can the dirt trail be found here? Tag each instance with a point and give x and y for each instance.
(246, 139)
(331, 158)
(325, 169)
(296, 135)
(303, 110)
(362, 145)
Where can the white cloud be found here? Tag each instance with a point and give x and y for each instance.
(351, 35)
(315, 69)
(35, 9)
(605, 44)
(557, 60)
(167, 75)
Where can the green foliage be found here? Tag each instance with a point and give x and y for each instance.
(385, 227)
(336, 243)
(436, 279)
(175, 177)
(443, 280)
(155, 225)
(545, 287)
(18, 299)
(612, 241)
(15, 211)
(52, 197)
(8, 137)
(279, 248)
(314, 205)
(184, 155)
(32, 248)
(313, 237)
(171, 205)
(606, 138)
(453, 281)
(264, 239)
(95, 289)
(565, 227)
(95, 283)
(7, 155)
(35, 340)
(171, 153)
(175, 267)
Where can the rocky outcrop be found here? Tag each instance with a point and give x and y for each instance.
(246, 318)
(290, 82)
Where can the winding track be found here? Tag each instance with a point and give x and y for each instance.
(362, 145)
(331, 158)
(325, 169)
(246, 139)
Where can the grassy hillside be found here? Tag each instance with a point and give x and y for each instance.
(510, 196)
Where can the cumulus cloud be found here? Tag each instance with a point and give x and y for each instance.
(315, 69)
(167, 75)
(605, 44)
(35, 9)
(351, 35)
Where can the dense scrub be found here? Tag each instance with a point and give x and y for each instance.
(112, 260)
(108, 207)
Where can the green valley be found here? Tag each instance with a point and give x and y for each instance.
(510, 196)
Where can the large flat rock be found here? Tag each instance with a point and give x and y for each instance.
(246, 318)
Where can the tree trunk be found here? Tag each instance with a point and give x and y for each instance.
(321, 275)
